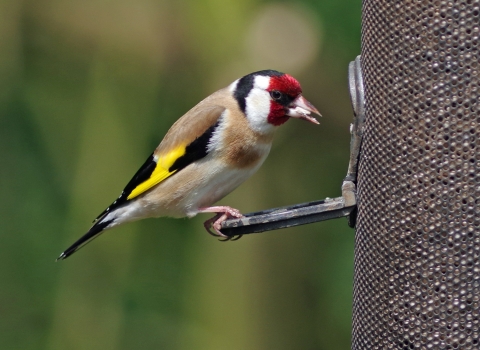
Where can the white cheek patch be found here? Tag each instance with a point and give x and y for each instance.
(257, 106)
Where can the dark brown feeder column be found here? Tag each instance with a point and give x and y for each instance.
(417, 266)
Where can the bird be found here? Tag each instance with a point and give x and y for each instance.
(207, 153)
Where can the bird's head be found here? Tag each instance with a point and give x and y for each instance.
(269, 98)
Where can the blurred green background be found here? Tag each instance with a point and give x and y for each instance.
(87, 90)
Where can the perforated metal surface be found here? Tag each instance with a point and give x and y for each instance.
(417, 268)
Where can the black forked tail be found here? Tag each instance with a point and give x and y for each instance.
(93, 233)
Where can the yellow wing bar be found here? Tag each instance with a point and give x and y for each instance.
(160, 173)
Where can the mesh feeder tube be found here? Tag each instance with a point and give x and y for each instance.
(417, 245)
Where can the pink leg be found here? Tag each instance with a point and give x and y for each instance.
(223, 213)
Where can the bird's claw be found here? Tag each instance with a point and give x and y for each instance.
(215, 223)
(209, 224)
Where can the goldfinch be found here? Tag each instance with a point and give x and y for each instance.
(207, 153)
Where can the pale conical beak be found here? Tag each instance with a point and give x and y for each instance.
(300, 108)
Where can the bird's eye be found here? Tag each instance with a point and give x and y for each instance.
(276, 95)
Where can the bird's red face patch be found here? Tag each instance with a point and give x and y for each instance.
(286, 84)
(289, 88)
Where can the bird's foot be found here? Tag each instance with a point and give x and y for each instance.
(223, 213)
